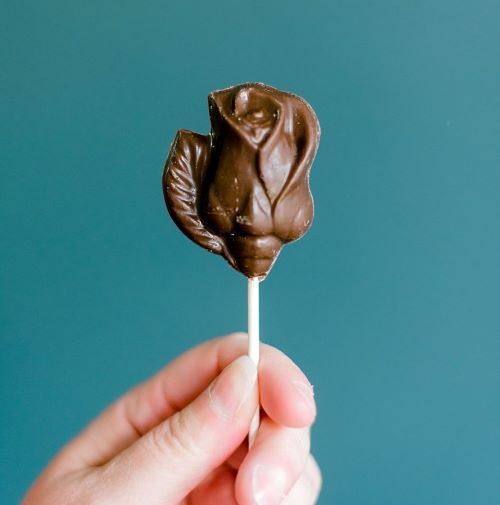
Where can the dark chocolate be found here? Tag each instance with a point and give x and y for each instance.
(243, 190)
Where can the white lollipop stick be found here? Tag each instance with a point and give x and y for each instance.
(253, 344)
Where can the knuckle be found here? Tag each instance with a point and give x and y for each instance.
(237, 336)
(314, 475)
(307, 488)
(176, 438)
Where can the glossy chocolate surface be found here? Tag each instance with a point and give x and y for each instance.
(243, 190)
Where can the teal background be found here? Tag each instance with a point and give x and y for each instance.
(390, 303)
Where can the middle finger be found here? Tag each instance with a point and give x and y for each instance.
(273, 464)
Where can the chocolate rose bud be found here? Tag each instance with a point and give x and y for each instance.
(243, 191)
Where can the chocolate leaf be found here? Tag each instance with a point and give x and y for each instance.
(182, 180)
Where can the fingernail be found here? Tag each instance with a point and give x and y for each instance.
(306, 391)
(268, 485)
(233, 387)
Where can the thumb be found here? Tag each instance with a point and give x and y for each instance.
(173, 458)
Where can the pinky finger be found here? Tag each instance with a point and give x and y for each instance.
(307, 488)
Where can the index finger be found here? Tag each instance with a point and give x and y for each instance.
(285, 392)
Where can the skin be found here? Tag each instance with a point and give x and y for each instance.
(180, 437)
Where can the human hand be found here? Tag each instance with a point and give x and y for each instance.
(179, 438)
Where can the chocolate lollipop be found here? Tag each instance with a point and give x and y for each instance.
(242, 191)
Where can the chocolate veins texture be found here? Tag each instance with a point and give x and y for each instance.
(242, 191)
